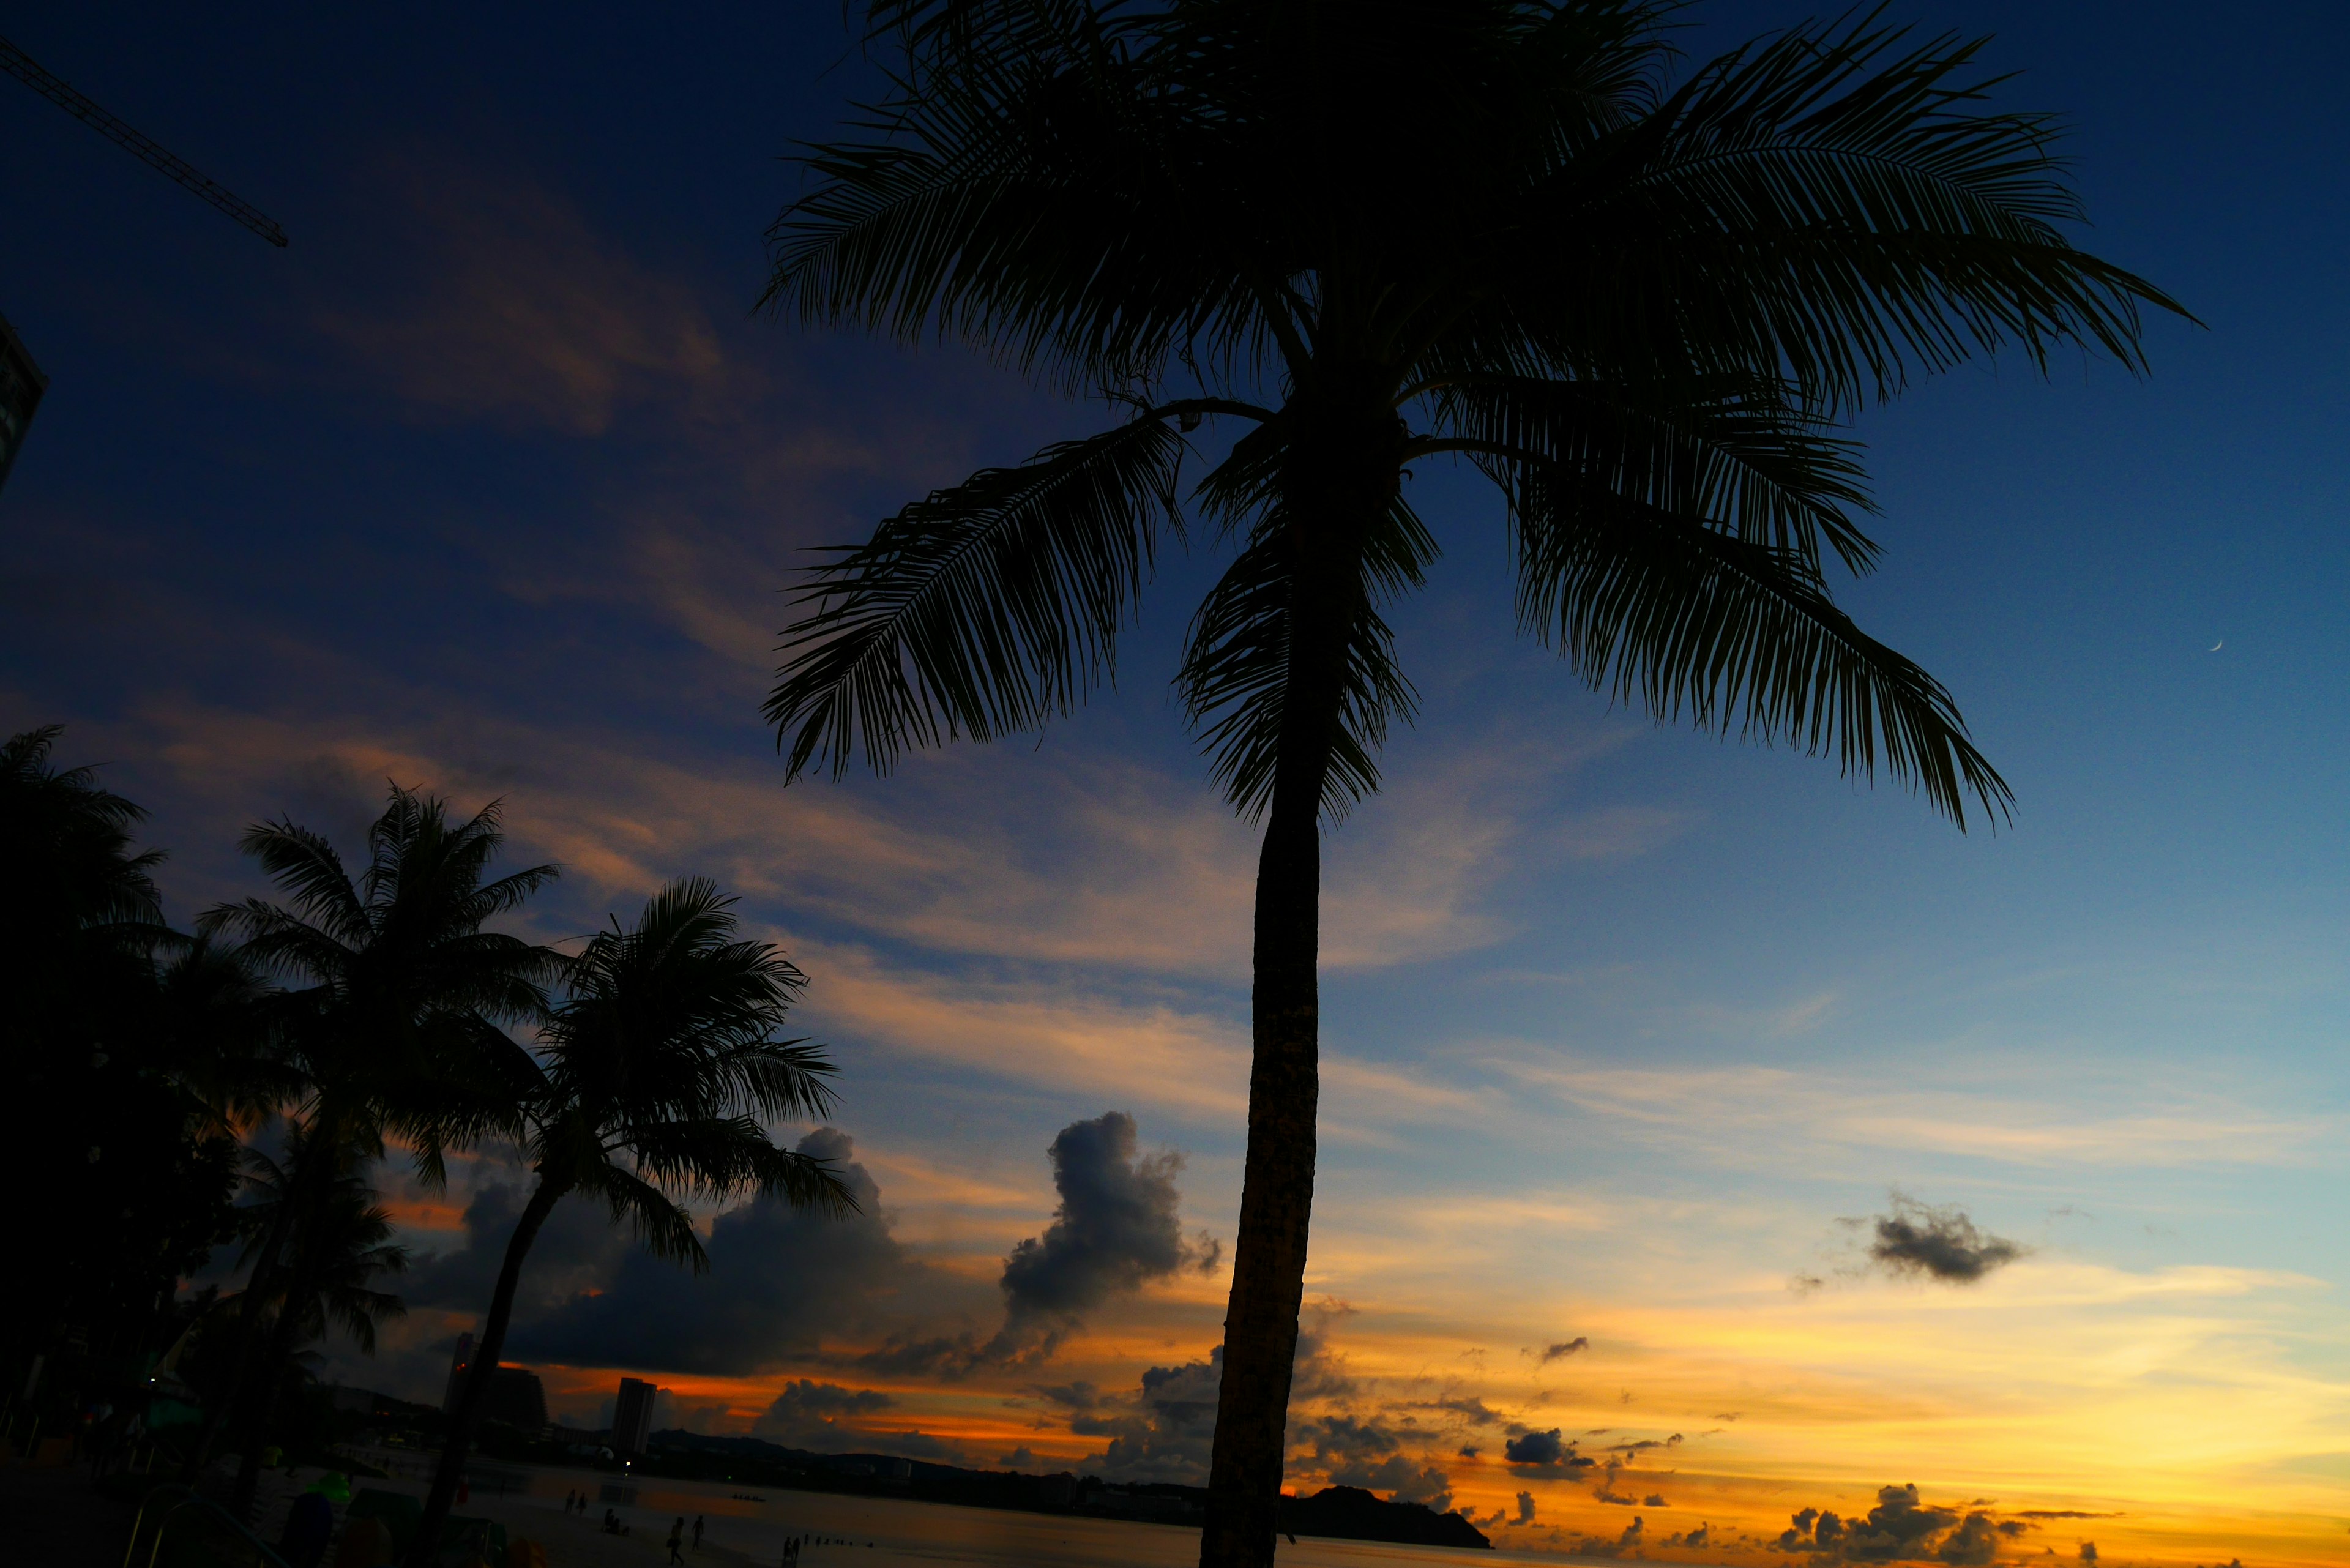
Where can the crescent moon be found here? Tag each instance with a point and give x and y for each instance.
(2216, 646)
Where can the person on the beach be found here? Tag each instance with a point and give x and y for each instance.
(697, 1532)
(677, 1537)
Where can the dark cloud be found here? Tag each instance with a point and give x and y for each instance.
(824, 1417)
(1700, 1538)
(575, 1251)
(1162, 1432)
(1627, 1544)
(1544, 1454)
(1117, 1228)
(2088, 1552)
(1900, 1529)
(1525, 1509)
(2060, 1513)
(1078, 1395)
(781, 1280)
(1940, 1244)
(1020, 1459)
(1476, 1412)
(1559, 1351)
(1345, 1436)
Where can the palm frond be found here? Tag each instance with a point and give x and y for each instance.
(982, 610)
(1677, 615)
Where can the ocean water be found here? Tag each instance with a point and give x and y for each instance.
(905, 1533)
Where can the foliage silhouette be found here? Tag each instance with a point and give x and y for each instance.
(1376, 235)
(394, 1026)
(655, 1074)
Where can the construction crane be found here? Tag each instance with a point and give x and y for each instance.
(59, 91)
(21, 381)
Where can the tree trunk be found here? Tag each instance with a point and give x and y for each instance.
(1277, 1196)
(486, 1361)
(1342, 476)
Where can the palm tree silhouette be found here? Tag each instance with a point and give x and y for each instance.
(656, 1069)
(395, 1025)
(1376, 235)
(353, 1236)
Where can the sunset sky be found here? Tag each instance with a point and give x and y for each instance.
(1642, 1049)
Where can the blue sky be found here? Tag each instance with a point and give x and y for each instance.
(490, 482)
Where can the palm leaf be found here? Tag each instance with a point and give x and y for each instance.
(982, 610)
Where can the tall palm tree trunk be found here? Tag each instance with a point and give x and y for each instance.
(1349, 475)
(486, 1361)
(1276, 1194)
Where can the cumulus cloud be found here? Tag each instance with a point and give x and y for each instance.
(1557, 1352)
(781, 1282)
(1940, 1244)
(1116, 1230)
(820, 1415)
(1525, 1509)
(1901, 1528)
(577, 1250)
(1162, 1431)
(1549, 1454)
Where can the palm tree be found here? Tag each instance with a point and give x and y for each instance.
(395, 1027)
(1375, 235)
(656, 1069)
(352, 1237)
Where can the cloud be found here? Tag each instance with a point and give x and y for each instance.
(781, 1282)
(1548, 1454)
(1116, 1230)
(1900, 1529)
(1559, 1351)
(524, 315)
(1525, 1509)
(1162, 1432)
(1940, 1244)
(1626, 1544)
(575, 1251)
(820, 1415)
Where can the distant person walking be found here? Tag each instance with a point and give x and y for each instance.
(676, 1539)
(697, 1532)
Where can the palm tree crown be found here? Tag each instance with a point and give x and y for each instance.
(395, 1024)
(663, 1056)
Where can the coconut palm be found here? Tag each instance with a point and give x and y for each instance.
(394, 1026)
(1371, 237)
(657, 1071)
(352, 1236)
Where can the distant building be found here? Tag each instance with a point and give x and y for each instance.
(632, 1416)
(515, 1395)
(457, 1365)
(21, 386)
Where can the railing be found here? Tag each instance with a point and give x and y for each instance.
(196, 1519)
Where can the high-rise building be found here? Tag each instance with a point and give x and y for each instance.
(21, 386)
(632, 1416)
(515, 1395)
(457, 1365)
